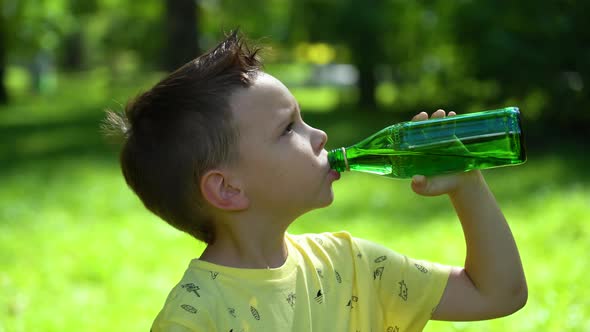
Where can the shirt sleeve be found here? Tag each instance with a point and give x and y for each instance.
(408, 289)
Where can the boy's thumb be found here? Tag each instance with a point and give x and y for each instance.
(434, 186)
(419, 184)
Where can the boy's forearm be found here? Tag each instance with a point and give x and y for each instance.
(492, 261)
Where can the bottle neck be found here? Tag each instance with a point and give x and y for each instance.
(337, 159)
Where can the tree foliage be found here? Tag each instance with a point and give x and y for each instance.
(536, 53)
(464, 55)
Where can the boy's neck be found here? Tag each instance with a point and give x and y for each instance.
(253, 250)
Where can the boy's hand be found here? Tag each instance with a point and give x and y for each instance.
(443, 184)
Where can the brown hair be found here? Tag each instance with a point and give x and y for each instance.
(181, 128)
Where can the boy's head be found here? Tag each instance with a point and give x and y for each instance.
(219, 135)
(182, 127)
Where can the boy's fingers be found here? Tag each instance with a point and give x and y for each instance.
(419, 184)
(438, 114)
(437, 185)
(420, 116)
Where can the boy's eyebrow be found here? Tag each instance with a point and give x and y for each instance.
(298, 108)
(287, 116)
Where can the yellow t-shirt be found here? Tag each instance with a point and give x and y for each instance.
(329, 282)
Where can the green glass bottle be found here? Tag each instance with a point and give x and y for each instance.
(437, 146)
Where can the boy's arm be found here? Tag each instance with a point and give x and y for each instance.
(492, 283)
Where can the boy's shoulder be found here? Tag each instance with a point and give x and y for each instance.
(339, 245)
(325, 240)
(342, 245)
(334, 240)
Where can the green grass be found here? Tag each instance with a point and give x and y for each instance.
(78, 252)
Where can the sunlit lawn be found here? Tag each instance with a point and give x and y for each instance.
(78, 252)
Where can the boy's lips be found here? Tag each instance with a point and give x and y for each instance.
(334, 174)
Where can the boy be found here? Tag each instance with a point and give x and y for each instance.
(218, 149)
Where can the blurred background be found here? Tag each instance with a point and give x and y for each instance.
(78, 252)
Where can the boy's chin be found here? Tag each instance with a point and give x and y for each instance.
(328, 201)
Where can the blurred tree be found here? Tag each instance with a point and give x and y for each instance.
(130, 30)
(3, 92)
(463, 55)
(74, 38)
(399, 41)
(258, 19)
(33, 31)
(357, 26)
(363, 37)
(182, 44)
(537, 53)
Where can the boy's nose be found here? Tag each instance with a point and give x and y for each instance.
(320, 139)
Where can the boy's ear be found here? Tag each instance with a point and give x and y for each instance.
(220, 192)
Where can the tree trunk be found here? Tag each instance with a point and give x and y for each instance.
(3, 92)
(74, 51)
(367, 85)
(367, 48)
(182, 31)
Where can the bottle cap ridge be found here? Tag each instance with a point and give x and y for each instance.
(346, 167)
(337, 160)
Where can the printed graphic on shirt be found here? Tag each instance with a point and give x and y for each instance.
(255, 313)
(380, 259)
(319, 297)
(320, 272)
(351, 302)
(232, 312)
(393, 329)
(291, 299)
(214, 275)
(189, 308)
(421, 268)
(378, 273)
(338, 278)
(403, 290)
(191, 288)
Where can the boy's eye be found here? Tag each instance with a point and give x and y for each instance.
(288, 129)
